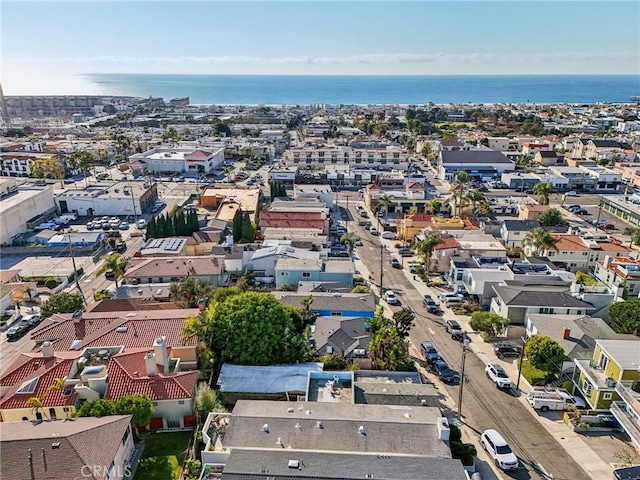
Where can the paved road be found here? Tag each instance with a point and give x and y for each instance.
(483, 405)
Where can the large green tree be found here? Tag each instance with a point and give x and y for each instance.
(544, 352)
(538, 240)
(188, 291)
(96, 408)
(552, 218)
(237, 226)
(62, 303)
(459, 190)
(255, 329)
(247, 229)
(47, 168)
(388, 349)
(208, 400)
(625, 316)
(403, 320)
(139, 406)
(634, 234)
(490, 324)
(349, 239)
(82, 161)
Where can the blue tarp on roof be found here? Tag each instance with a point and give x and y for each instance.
(266, 379)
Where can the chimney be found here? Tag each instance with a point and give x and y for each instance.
(78, 323)
(47, 350)
(160, 349)
(566, 333)
(150, 363)
(606, 263)
(202, 304)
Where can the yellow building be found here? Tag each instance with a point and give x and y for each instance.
(613, 362)
(454, 223)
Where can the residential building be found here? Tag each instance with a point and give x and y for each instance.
(627, 410)
(548, 158)
(130, 329)
(31, 375)
(520, 180)
(332, 304)
(576, 334)
(165, 247)
(512, 232)
(263, 261)
(619, 272)
(630, 175)
(87, 447)
(156, 375)
(24, 209)
(290, 271)
(410, 197)
(205, 269)
(515, 300)
(612, 362)
(531, 212)
(315, 192)
(347, 336)
(107, 198)
(533, 148)
(225, 201)
(367, 154)
(295, 218)
(480, 164)
(581, 252)
(253, 426)
(305, 238)
(172, 159)
(18, 164)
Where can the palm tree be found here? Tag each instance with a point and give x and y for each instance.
(524, 161)
(385, 201)
(426, 247)
(459, 191)
(115, 262)
(543, 191)
(634, 233)
(539, 240)
(227, 171)
(434, 205)
(37, 404)
(476, 198)
(349, 239)
(58, 384)
(82, 161)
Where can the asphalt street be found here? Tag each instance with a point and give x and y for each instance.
(483, 405)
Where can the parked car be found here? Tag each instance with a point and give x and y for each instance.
(570, 207)
(413, 267)
(506, 349)
(498, 376)
(367, 226)
(452, 327)
(395, 263)
(405, 252)
(389, 236)
(571, 193)
(499, 450)
(627, 473)
(123, 226)
(142, 223)
(110, 274)
(444, 296)
(16, 332)
(364, 214)
(580, 211)
(391, 298)
(429, 352)
(373, 231)
(430, 304)
(32, 320)
(443, 371)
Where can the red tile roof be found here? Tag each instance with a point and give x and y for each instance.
(569, 242)
(447, 244)
(142, 328)
(199, 153)
(46, 370)
(128, 374)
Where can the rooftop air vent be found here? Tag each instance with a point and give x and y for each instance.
(265, 428)
(55, 445)
(361, 430)
(121, 329)
(290, 410)
(294, 464)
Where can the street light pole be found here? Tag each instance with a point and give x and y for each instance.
(133, 202)
(381, 269)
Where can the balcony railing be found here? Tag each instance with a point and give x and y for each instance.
(627, 421)
(631, 397)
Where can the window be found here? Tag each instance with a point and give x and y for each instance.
(52, 413)
(603, 361)
(66, 409)
(126, 435)
(155, 404)
(607, 395)
(180, 402)
(586, 387)
(25, 419)
(306, 274)
(545, 310)
(161, 280)
(336, 314)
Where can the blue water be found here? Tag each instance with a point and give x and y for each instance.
(335, 90)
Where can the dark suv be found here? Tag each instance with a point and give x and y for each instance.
(506, 349)
(443, 371)
(429, 352)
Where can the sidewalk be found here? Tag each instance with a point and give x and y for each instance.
(594, 466)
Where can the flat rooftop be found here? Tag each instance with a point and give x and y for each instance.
(23, 194)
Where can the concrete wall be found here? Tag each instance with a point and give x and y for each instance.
(23, 206)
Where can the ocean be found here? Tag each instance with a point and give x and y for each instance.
(371, 90)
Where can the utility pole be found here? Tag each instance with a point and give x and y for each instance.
(464, 355)
(75, 270)
(520, 366)
(599, 212)
(381, 269)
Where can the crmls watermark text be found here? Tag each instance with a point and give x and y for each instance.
(100, 471)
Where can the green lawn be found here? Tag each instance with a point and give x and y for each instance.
(535, 376)
(163, 456)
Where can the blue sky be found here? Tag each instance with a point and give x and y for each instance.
(43, 42)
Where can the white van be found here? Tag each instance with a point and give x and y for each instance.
(450, 302)
(47, 226)
(142, 223)
(373, 231)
